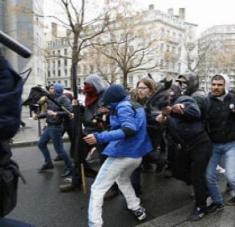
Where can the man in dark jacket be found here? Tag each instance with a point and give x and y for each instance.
(220, 124)
(189, 85)
(183, 120)
(94, 88)
(54, 118)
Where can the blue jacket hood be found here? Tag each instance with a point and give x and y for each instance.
(59, 88)
(114, 94)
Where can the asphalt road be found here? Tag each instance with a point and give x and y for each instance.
(40, 202)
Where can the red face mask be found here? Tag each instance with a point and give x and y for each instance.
(90, 93)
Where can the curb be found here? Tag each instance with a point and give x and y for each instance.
(31, 143)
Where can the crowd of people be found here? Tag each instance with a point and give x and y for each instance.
(170, 124)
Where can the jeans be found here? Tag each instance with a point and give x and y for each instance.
(113, 170)
(228, 151)
(55, 134)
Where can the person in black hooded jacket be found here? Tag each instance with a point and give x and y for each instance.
(189, 85)
(183, 120)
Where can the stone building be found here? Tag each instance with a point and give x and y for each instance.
(172, 32)
(20, 21)
(216, 47)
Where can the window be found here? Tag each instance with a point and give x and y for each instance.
(65, 51)
(65, 62)
(161, 63)
(48, 73)
(65, 83)
(79, 81)
(179, 51)
(84, 69)
(167, 48)
(91, 68)
(130, 79)
(179, 66)
(59, 73)
(58, 63)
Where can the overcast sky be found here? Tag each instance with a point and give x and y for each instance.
(205, 13)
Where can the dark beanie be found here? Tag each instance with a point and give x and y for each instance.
(115, 93)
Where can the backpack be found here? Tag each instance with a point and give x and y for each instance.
(9, 174)
(11, 87)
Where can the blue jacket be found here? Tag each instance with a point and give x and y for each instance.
(124, 115)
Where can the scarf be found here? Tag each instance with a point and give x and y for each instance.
(91, 95)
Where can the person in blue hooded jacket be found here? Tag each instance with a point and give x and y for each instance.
(128, 142)
(54, 118)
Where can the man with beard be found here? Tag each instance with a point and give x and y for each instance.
(220, 124)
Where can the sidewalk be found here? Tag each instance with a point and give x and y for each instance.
(28, 135)
(225, 218)
(180, 217)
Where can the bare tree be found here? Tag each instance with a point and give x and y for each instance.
(130, 45)
(82, 31)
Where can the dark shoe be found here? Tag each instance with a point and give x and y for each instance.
(198, 213)
(148, 168)
(68, 188)
(138, 192)
(66, 173)
(111, 193)
(90, 173)
(58, 158)
(140, 213)
(46, 166)
(231, 202)
(215, 207)
(228, 188)
(168, 173)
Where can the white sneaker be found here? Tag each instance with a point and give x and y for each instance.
(68, 180)
(140, 213)
(219, 169)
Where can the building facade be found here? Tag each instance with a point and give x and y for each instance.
(172, 31)
(216, 48)
(19, 20)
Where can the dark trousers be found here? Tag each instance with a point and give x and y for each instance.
(79, 155)
(199, 158)
(136, 180)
